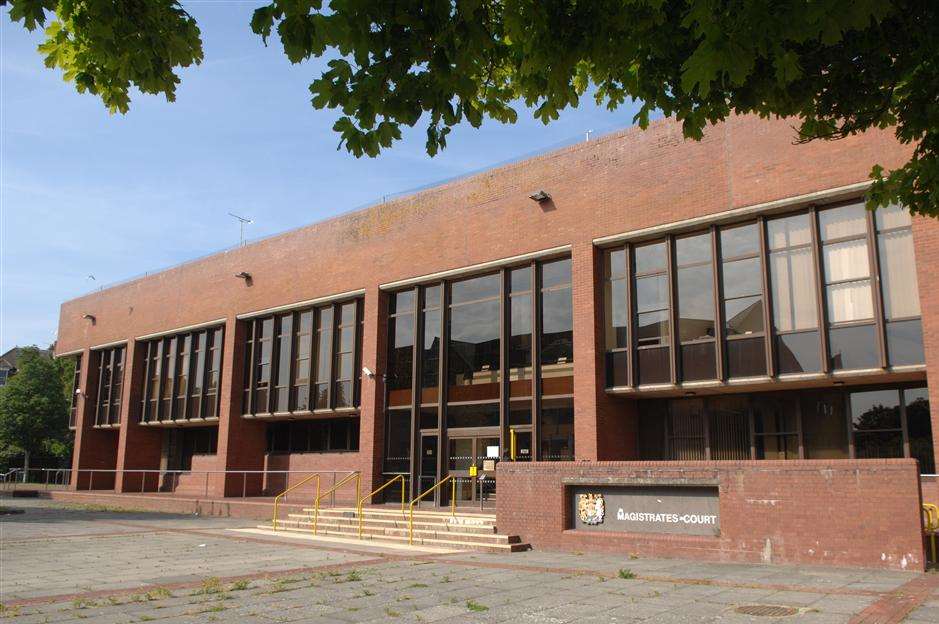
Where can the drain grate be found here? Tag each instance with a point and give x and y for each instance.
(766, 610)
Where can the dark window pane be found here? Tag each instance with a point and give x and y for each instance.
(520, 369)
(695, 303)
(519, 413)
(824, 427)
(652, 420)
(652, 328)
(650, 258)
(430, 358)
(693, 249)
(557, 323)
(878, 444)
(740, 241)
(742, 278)
(653, 365)
(878, 409)
(686, 438)
(746, 358)
(400, 359)
(556, 273)
(557, 430)
(429, 418)
(485, 287)
(482, 415)
(919, 428)
(853, 347)
(743, 316)
(729, 428)
(473, 351)
(905, 342)
(698, 361)
(798, 353)
(398, 436)
(616, 373)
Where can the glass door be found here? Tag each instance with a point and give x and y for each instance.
(471, 463)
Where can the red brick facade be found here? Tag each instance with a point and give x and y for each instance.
(620, 183)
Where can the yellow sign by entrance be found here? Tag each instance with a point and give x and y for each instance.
(472, 471)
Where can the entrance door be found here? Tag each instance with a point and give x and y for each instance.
(468, 460)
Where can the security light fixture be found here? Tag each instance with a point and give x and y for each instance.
(540, 196)
(90, 317)
(368, 372)
(243, 275)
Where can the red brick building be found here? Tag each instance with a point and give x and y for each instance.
(664, 301)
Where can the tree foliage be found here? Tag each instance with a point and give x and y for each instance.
(838, 67)
(34, 408)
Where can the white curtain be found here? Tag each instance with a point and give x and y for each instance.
(898, 275)
(848, 260)
(793, 284)
(850, 301)
(844, 221)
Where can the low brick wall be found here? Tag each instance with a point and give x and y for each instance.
(863, 513)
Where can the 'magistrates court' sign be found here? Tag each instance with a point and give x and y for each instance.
(646, 509)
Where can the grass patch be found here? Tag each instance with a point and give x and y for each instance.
(353, 576)
(81, 603)
(475, 606)
(626, 573)
(241, 585)
(159, 593)
(215, 608)
(392, 613)
(418, 585)
(209, 586)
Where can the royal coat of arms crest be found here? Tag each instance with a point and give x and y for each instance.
(591, 508)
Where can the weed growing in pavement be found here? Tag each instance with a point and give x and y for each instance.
(392, 613)
(241, 585)
(159, 593)
(210, 585)
(626, 573)
(475, 606)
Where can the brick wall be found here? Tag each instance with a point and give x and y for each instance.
(854, 513)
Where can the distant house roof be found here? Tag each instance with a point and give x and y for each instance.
(11, 358)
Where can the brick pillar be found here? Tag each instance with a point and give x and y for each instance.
(94, 448)
(371, 408)
(241, 443)
(143, 443)
(926, 245)
(603, 428)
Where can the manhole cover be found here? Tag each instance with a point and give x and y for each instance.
(766, 610)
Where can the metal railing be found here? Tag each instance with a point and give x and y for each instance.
(931, 527)
(358, 508)
(46, 478)
(316, 502)
(293, 487)
(425, 493)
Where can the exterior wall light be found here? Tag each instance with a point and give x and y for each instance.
(243, 275)
(90, 317)
(540, 196)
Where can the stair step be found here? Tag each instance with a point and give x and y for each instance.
(468, 516)
(392, 523)
(510, 546)
(397, 532)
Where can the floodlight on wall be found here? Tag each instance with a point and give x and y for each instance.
(243, 275)
(540, 196)
(368, 372)
(90, 317)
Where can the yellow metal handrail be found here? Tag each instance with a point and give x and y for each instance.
(425, 493)
(316, 503)
(293, 487)
(512, 444)
(931, 526)
(373, 493)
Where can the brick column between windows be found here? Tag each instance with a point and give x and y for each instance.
(138, 446)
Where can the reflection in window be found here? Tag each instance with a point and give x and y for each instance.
(557, 328)
(849, 298)
(742, 279)
(776, 427)
(652, 313)
(825, 430)
(793, 279)
(401, 347)
(313, 436)
(74, 396)
(397, 441)
(430, 357)
(473, 341)
(520, 328)
(919, 428)
(557, 430)
(904, 330)
(695, 266)
(110, 372)
(876, 424)
(344, 363)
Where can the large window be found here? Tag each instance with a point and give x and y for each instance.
(487, 353)
(74, 397)
(110, 373)
(870, 422)
(181, 376)
(303, 361)
(313, 436)
(852, 334)
(787, 295)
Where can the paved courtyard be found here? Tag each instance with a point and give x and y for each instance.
(68, 564)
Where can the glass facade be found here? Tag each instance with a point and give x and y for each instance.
(303, 361)
(472, 359)
(181, 376)
(330, 435)
(867, 422)
(108, 393)
(819, 291)
(75, 397)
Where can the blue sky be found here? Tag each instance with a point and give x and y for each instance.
(86, 193)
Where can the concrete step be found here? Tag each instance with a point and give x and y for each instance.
(395, 523)
(399, 532)
(464, 516)
(508, 544)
